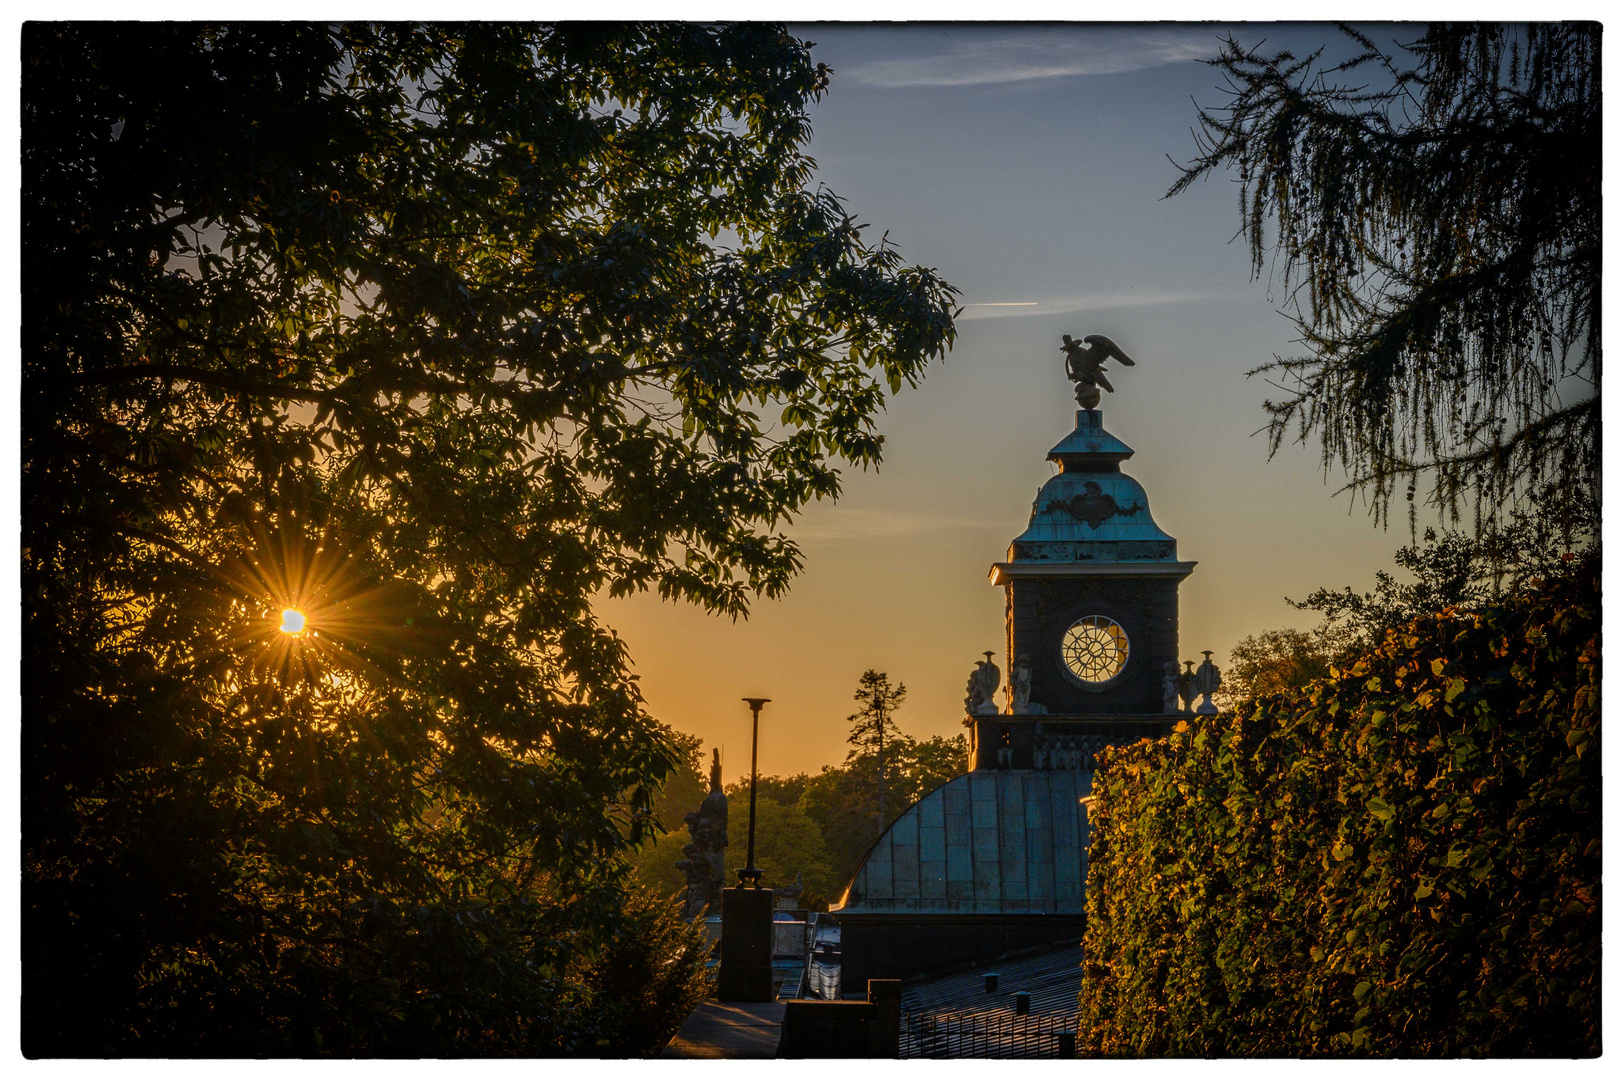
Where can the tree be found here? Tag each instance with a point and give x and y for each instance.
(842, 799)
(654, 864)
(649, 976)
(1272, 662)
(788, 845)
(685, 787)
(1450, 570)
(428, 335)
(869, 726)
(1437, 228)
(783, 789)
(843, 803)
(929, 764)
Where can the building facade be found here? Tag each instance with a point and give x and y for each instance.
(994, 862)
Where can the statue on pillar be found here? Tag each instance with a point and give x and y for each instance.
(1084, 365)
(704, 864)
(1020, 687)
(1186, 685)
(1169, 687)
(1206, 682)
(982, 687)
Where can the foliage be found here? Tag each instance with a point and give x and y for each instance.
(1450, 569)
(788, 845)
(869, 727)
(1272, 662)
(1400, 860)
(1437, 228)
(685, 787)
(654, 864)
(843, 802)
(435, 334)
(927, 765)
(648, 978)
(784, 789)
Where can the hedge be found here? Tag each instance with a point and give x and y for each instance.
(1400, 860)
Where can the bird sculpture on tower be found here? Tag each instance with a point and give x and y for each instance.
(1084, 365)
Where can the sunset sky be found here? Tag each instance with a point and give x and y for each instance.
(1026, 163)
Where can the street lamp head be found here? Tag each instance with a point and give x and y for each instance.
(755, 703)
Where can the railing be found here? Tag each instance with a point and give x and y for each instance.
(987, 1035)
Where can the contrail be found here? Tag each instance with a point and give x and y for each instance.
(1017, 303)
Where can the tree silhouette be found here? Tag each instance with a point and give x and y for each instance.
(1436, 225)
(432, 334)
(871, 724)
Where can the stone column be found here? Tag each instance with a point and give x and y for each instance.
(886, 996)
(746, 946)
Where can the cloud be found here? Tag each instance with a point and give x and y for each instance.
(1061, 305)
(854, 523)
(1025, 57)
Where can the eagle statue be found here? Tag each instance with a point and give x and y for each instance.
(1084, 365)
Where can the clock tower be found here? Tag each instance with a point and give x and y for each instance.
(1091, 613)
(995, 861)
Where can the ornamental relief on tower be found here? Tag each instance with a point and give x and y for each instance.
(1092, 506)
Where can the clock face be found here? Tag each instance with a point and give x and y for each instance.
(1095, 649)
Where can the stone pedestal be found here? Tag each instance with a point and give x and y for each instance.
(886, 996)
(746, 946)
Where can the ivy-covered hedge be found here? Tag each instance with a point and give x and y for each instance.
(1402, 859)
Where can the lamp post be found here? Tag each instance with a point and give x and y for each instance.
(749, 875)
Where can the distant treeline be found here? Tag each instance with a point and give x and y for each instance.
(818, 826)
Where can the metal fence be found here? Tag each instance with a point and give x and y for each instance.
(987, 1035)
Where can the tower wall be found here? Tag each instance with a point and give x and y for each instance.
(1040, 609)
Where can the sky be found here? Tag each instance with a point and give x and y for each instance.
(1027, 164)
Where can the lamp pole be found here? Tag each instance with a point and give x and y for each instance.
(749, 875)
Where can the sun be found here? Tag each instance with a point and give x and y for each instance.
(292, 620)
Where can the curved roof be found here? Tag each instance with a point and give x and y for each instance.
(1091, 512)
(1092, 508)
(991, 841)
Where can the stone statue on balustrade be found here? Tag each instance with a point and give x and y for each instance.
(1186, 685)
(1084, 365)
(1206, 682)
(982, 687)
(705, 862)
(1020, 687)
(1169, 687)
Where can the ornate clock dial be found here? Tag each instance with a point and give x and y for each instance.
(1095, 649)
